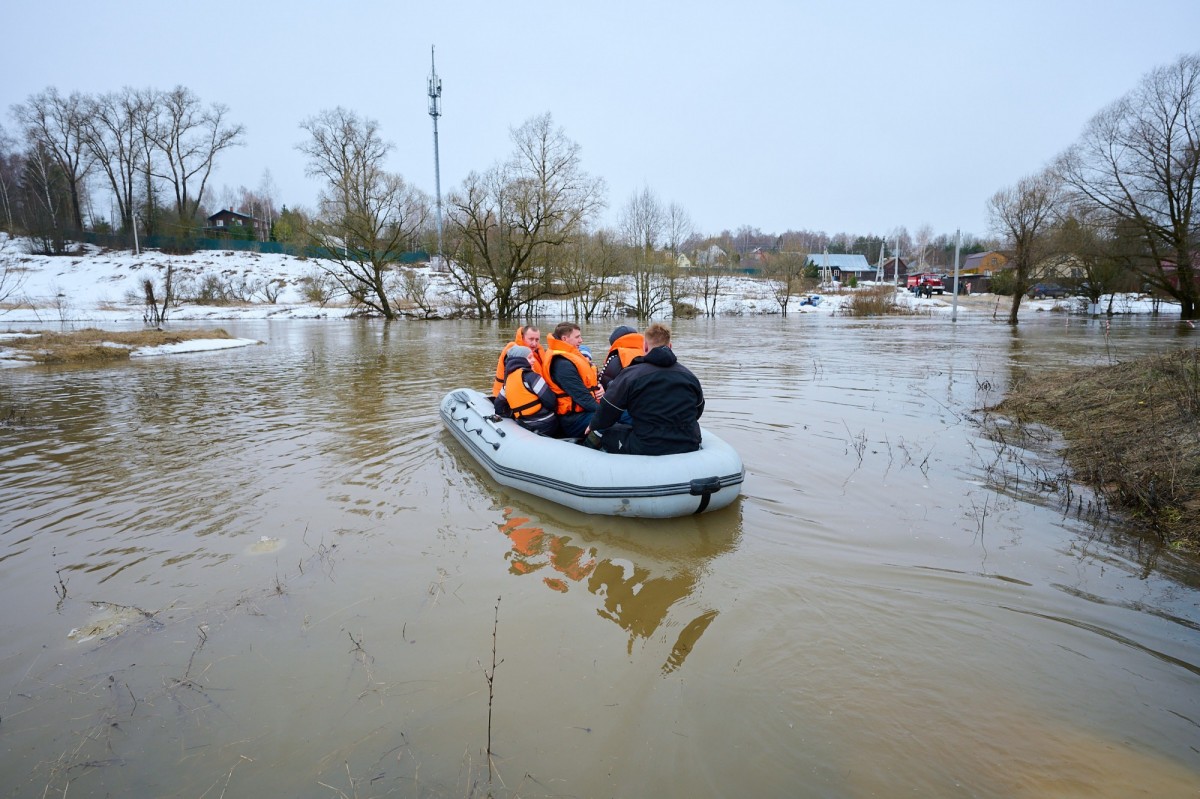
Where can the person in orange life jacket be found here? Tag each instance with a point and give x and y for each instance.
(573, 379)
(527, 336)
(624, 345)
(526, 396)
(663, 398)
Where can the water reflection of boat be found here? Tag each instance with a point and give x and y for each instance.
(643, 588)
(588, 480)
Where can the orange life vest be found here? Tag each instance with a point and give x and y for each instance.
(521, 401)
(535, 361)
(626, 348)
(587, 372)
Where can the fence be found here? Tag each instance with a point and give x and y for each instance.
(183, 245)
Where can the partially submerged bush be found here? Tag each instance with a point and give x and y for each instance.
(875, 301)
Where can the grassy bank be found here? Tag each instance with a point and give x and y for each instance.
(96, 346)
(1132, 433)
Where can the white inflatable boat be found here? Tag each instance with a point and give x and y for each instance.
(589, 480)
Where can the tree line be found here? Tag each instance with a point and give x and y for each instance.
(152, 151)
(1116, 207)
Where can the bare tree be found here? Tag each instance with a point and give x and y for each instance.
(10, 169)
(785, 272)
(1138, 162)
(266, 194)
(711, 271)
(368, 217)
(1087, 245)
(111, 131)
(678, 228)
(643, 224)
(508, 225)
(1024, 214)
(44, 201)
(149, 131)
(921, 241)
(590, 271)
(57, 123)
(190, 137)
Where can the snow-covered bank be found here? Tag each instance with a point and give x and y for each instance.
(96, 287)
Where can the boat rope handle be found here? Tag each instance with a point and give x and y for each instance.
(479, 430)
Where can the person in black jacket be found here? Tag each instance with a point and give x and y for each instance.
(663, 398)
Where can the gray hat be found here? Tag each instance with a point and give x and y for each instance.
(519, 352)
(623, 330)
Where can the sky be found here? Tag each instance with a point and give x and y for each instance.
(857, 117)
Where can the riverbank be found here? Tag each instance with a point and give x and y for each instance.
(96, 287)
(1132, 432)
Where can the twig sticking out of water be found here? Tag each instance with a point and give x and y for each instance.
(859, 443)
(491, 681)
(199, 645)
(60, 589)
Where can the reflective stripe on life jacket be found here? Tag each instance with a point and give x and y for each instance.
(523, 402)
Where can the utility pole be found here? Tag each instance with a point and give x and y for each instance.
(435, 111)
(898, 259)
(957, 247)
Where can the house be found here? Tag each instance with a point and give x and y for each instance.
(983, 263)
(842, 266)
(228, 222)
(895, 270)
(711, 256)
(1062, 268)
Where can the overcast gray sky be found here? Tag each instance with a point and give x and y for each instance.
(836, 116)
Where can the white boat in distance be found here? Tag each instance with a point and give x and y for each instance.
(589, 480)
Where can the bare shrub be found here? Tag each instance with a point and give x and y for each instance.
(875, 301)
(318, 286)
(158, 307)
(415, 288)
(243, 289)
(271, 289)
(12, 276)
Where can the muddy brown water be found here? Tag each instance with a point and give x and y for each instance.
(270, 572)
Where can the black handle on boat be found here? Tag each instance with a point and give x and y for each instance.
(704, 487)
(495, 420)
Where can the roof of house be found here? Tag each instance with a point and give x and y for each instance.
(854, 262)
(225, 213)
(973, 260)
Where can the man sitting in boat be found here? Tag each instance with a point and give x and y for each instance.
(572, 377)
(527, 336)
(525, 395)
(663, 398)
(624, 345)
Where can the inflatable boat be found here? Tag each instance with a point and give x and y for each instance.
(589, 480)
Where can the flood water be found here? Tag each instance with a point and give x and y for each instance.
(270, 572)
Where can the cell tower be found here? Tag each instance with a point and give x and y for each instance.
(435, 111)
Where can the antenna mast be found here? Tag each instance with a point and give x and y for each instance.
(435, 111)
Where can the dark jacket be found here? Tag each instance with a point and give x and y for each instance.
(540, 420)
(664, 400)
